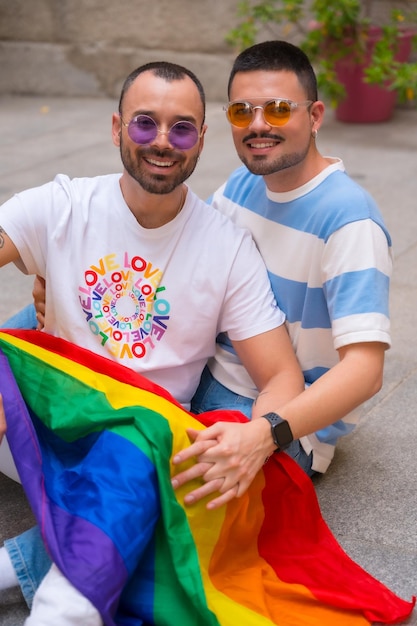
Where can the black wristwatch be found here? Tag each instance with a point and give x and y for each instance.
(280, 430)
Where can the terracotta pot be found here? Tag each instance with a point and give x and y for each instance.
(365, 103)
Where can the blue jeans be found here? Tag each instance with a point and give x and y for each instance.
(30, 561)
(26, 319)
(212, 395)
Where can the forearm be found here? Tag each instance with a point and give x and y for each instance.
(278, 392)
(270, 360)
(355, 379)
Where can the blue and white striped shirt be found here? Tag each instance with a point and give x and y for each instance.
(328, 255)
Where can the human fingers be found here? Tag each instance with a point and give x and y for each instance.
(241, 474)
(203, 491)
(224, 498)
(194, 450)
(39, 298)
(195, 471)
(41, 321)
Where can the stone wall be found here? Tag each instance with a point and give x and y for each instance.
(87, 47)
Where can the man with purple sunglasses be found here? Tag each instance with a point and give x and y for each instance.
(140, 270)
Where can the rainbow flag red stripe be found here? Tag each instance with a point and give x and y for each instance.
(92, 442)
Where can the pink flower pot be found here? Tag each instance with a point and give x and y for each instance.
(366, 103)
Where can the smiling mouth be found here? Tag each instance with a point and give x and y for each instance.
(262, 144)
(160, 163)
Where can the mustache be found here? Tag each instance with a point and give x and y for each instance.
(263, 136)
(153, 153)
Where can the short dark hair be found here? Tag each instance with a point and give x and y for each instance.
(167, 71)
(277, 56)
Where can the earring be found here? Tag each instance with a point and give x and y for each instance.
(314, 133)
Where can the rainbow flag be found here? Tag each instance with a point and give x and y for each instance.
(92, 442)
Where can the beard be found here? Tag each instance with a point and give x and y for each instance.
(264, 165)
(157, 183)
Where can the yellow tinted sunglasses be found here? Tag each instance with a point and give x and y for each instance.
(276, 112)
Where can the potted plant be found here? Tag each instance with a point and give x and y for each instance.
(362, 64)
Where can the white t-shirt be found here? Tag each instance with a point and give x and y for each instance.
(152, 299)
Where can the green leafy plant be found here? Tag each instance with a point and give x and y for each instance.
(337, 32)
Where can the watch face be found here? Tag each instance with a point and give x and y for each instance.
(283, 435)
(280, 430)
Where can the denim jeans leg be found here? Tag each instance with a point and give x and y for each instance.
(24, 319)
(30, 561)
(212, 395)
(296, 451)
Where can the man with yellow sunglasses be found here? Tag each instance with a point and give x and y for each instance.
(327, 251)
